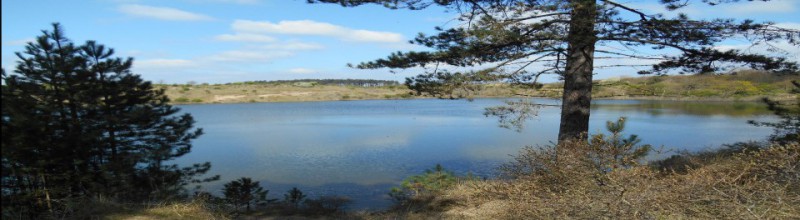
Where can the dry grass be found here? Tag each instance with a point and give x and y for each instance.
(240, 93)
(761, 184)
(742, 86)
(568, 182)
(172, 211)
(745, 85)
(103, 209)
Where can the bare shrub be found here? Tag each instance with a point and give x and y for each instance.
(327, 205)
(565, 182)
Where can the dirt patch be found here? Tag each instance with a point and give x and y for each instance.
(484, 211)
(218, 98)
(296, 93)
(286, 94)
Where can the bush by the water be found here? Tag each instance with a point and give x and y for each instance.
(570, 181)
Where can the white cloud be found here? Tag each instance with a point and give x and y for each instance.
(244, 37)
(731, 47)
(301, 27)
(789, 25)
(309, 27)
(243, 2)
(248, 55)
(162, 63)
(20, 42)
(373, 36)
(775, 6)
(302, 71)
(293, 46)
(263, 52)
(162, 13)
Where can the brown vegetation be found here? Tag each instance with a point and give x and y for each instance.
(741, 183)
(254, 92)
(746, 85)
(747, 185)
(99, 208)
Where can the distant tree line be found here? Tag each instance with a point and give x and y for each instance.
(331, 82)
(78, 125)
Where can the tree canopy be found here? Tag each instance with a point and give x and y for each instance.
(519, 40)
(244, 192)
(78, 124)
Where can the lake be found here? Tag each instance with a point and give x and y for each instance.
(360, 149)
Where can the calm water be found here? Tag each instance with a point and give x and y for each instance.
(360, 149)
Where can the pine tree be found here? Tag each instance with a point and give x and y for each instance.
(77, 123)
(244, 192)
(615, 151)
(294, 197)
(565, 37)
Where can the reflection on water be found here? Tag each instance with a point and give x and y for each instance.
(361, 148)
(655, 108)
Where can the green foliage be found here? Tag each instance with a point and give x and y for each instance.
(326, 205)
(398, 96)
(725, 86)
(514, 114)
(244, 192)
(77, 124)
(616, 151)
(449, 85)
(705, 93)
(336, 82)
(304, 84)
(430, 182)
(182, 100)
(294, 197)
(600, 155)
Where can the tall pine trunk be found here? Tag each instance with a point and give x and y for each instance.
(578, 74)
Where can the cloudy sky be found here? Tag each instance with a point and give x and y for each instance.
(220, 41)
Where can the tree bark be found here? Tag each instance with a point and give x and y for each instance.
(577, 95)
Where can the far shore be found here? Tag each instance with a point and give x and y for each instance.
(657, 98)
(744, 87)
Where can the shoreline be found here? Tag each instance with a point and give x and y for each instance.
(643, 98)
(745, 87)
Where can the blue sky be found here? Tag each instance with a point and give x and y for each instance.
(218, 41)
